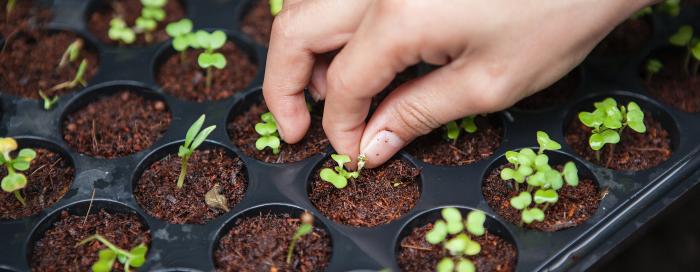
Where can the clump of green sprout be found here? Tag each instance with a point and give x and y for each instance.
(78, 80)
(209, 59)
(653, 67)
(608, 120)
(670, 7)
(194, 138)
(49, 102)
(135, 257)
(14, 181)
(276, 6)
(72, 53)
(453, 129)
(542, 180)
(684, 38)
(455, 235)
(338, 176)
(269, 136)
(151, 13)
(181, 32)
(120, 32)
(306, 227)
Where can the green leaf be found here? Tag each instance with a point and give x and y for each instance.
(454, 220)
(468, 124)
(508, 174)
(606, 104)
(654, 66)
(696, 51)
(521, 201)
(472, 248)
(180, 43)
(20, 165)
(542, 162)
(452, 130)
(457, 245)
(570, 174)
(201, 137)
(598, 140)
(216, 40)
(445, 265)
(271, 141)
(553, 179)
(303, 229)
(26, 154)
(193, 130)
(139, 255)
(276, 6)
(183, 151)
(591, 119)
(530, 215)
(146, 24)
(154, 3)
(265, 129)
(475, 222)
(268, 117)
(548, 196)
(525, 170)
(105, 261)
(154, 13)
(635, 118)
(206, 60)
(682, 37)
(179, 28)
(512, 157)
(529, 154)
(334, 178)
(117, 23)
(538, 179)
(546, 143)
(438, 233)
(340, 159)
(13, 182)
(464, 265)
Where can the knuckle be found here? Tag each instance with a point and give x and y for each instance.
(414, 117)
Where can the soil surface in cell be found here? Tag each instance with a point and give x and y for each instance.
(242, 132)
(183, 78)
(416, 254)
(634, 152)
(553, 96)
(260, 243)
(435, 149)
(626, 38)
(116, 125)
(26, 14)
(575, 204)
(57, 250)
(377, 197)
(158, 194)
(49, 177)
(30, 63)
(129, 10)
(675, 85)
(257, 23)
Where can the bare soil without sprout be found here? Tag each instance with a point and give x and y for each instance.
(129, 10)
(673, 84)
(25, 15)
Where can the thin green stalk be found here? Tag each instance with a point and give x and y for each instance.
(183, 171)
(19, 197)
(209, 78)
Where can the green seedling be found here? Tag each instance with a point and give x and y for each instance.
(670, 7)
(14, 182)
(276, 6)
(269, 136)
(181, 32)
(119, 31)
(306, 227)
(653, 67)
(135, 257)
(209, 59)
(453, 129)
(684, 38)
(543, 181)
(608, 120)
(194, 138)
(49, 102)
(72, 53)
(338, 176)
(78, 80)
(455, 235)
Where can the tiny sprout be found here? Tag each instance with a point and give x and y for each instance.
(653, 67)
(306, 227)
(671, 7)
(49, 102)
(119, 31)
(72, 53)
(210, 58)
(449, 231)
(269, 136)
(180, 31)
(608, 120)
(135, 257)
(338, 176)
(194, 138)
(453, 130)
(14, 181)
(79, 78)
(276, 6)
(151, 13)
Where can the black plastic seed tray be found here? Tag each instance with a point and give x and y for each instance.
(632, 197)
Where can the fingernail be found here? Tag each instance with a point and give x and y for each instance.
(314, 93)
(382, 147)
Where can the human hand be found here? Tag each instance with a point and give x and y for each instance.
(491, 54)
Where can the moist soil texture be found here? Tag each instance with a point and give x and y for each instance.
(675, 85)
(26, 14)
(257, 23)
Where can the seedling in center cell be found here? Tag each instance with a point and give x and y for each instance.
(542, 180)
(79, 78)
(72, 53)
(306, 227)
(276, 6)
(119, 31)
(209, 59)
(608, 121)
(269, 136)
(135, 257)
(455, 235)
(14, 182)
(453, 129)
(181, 32)
(194, 138)
(49, 102)
(653, 67)
(338, 176)
(684, 38)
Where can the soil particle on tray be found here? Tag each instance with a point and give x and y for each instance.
(377, 197)
(257, 22)
(129, 10)
(157, 192)
(626, 38)
(57, 250)
(116, 125)
(242, 132)
(49, 178)
(575, 204)
(260, 244)
(25, 15)
(634, 152)
(556, 95)
(30, 63)
(186, 80)
(416, 254)
(673, 85)
(469, 147)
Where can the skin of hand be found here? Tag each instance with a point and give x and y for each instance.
(491, 54)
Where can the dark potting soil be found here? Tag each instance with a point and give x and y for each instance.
(242, 132)
(673, 84)
(377, 197)
(575, 204)
(554, 95)
(57, 250)
(626, 38)
(634, 152)
(435, 149)
(186, 80)
(416, 254)
(157, 192)
(26, 14)
(30, 61)
(129, 10)
(257, 23)
(116, 125)
(49, 178)
(260, 243)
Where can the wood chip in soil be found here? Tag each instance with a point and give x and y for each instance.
(157, 192)
(49, 178)
(116, 125)
(26, 15)
(260, 244)
(377, 197)
(241, 129)
(416, 254)
(187, 81)
(30, 63)
(57, 250)
(628, 37)
(575, 204)
(634, 152)
(129, 10)
(469, 148)
(257, 22)
(672, 84)
(556, 95)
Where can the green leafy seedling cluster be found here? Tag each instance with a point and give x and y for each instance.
(685, 38)
(135, 257)
(338, 176)
(194, 138)
(14, 181)
(120, 31)
(152, 13)
(276, 6)
(181, 32)
(542, 180)
(269, 136)
(306, 227)
(453, 129)
(456, 234)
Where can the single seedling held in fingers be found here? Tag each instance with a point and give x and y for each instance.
(269, 136)
(14, 181)
(135, 257)
(338, 176)
(194, 138)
